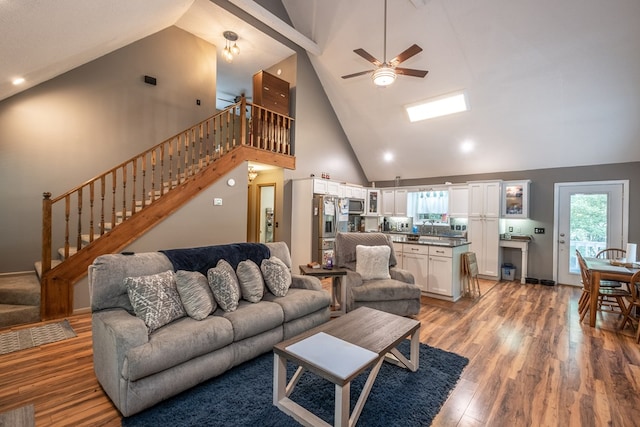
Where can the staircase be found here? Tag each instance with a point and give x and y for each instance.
(19, 299)
(108, 212)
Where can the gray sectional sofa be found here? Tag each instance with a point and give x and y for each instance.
(138, 369)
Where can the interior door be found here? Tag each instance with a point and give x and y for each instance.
(589, 217)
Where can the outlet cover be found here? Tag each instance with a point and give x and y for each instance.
(538, 230)
(217, 201)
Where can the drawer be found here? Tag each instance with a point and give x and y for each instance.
(441, 251)
(416, 249)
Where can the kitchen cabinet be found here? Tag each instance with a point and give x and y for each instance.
(373, 202)
(415, 259)
(484, 228)
(325, 186)
(458, 201)
(440, 271)
(436, 269)
(394, 202)
(354, 192)
(515, 199)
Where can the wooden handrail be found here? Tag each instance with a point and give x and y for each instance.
(80, 217)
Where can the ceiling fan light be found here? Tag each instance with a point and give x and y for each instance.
(383, 76)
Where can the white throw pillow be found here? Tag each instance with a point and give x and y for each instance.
(372, 262)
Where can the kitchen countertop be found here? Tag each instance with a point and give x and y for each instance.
(445, 241)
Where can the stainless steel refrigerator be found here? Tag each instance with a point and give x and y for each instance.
(330, 215)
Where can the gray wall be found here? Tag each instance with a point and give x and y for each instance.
(541, 203)
(71, 128)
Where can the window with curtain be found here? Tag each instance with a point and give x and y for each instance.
(427, 202)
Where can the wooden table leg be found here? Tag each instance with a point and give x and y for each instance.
(595, 289)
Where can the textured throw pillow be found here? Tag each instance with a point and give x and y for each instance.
(251, 282)
(372, 262)
(224, 285)
(195, 294)
(155, 299)
(276, 275)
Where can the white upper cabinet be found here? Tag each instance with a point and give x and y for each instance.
(484, 199)
(373, 202)
(515, 200)
(458, 201)
(394, 202)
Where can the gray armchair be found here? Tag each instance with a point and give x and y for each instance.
(398, 294)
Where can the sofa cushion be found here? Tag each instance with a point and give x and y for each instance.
(224, 285)
(298, 303)
(250, 279)
(177, 343)
(372, 262)
(155, 299)
(251, 319)
(385, 290)
(195, 294)
(276, 275)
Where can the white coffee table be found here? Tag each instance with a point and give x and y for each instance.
(339, 351)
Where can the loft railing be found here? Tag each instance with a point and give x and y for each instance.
(75, 219)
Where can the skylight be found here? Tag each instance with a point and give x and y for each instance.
(437, 107)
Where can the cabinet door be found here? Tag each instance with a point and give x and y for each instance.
(440, 269)
(476, 199)
(388, 203)
(319, 186)
(418, 265)
(491, 250)
(515, 199)
(333, 188)
(492, 191)
(400, 202)
(475, 234)
(373, 199)
(459, 201)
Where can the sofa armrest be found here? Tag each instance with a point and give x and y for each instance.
(114, 333)
(305, 282)
(351, 280)
(402, 275)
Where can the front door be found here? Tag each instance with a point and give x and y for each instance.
(590, 216)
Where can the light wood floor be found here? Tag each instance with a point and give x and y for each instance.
(531, 364)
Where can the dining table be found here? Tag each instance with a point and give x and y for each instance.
(606, 269)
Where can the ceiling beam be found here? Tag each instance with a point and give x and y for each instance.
(277, 24)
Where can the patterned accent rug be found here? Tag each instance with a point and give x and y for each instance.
(33, 337)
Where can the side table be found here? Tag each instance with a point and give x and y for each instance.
(338, 301)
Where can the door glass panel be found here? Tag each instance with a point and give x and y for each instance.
(587, 226)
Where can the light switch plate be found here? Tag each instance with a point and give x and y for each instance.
(217, 201)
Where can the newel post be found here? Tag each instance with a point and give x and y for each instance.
(46, 232)
(243, 119)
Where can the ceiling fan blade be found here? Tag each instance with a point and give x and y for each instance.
(411, 72)
(411, 51)
(366, 55)
(361, 73)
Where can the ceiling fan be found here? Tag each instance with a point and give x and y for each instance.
(386, 72)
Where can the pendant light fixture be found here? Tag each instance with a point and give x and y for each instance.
(229, 50)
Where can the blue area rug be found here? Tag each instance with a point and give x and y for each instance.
(243, 396)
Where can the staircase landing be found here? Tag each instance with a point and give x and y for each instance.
(19, 299)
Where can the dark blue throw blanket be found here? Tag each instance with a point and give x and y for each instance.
(206, 257)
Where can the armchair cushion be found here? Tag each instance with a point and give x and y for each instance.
(372, 262)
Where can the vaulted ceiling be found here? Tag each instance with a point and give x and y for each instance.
(550, 83)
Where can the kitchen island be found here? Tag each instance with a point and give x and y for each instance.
(434, 261)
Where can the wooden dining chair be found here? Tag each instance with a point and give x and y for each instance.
(470, 273)
(632, 313)
(615, 296)
(611, 253)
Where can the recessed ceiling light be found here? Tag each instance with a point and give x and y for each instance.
(467, 146)
(18, 81)
(388, 156)
(437, 107)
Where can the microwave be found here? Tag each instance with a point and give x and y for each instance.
(356, 206)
